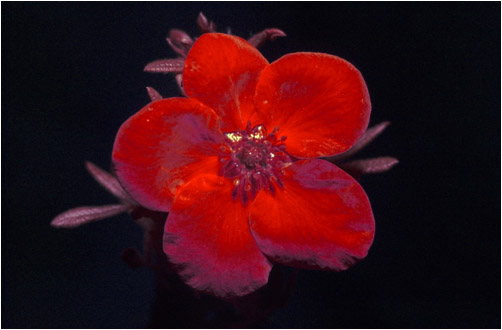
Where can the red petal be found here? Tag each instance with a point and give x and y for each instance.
(222, 71)
(162, 147)
(207, 235)
(319, 101)
(321, 219)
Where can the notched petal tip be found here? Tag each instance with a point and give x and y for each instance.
(213, 250)
(221, 71)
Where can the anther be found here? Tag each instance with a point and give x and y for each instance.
(253, 161)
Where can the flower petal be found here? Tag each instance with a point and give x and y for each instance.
(163, 146)
(207, 236)
(321, 219)
(221, 71)
(319, 101)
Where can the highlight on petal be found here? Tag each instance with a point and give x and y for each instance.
(221, 71)
(321, 219)
(207, 237)
(319, 101)
(85, 214)
(162, 147)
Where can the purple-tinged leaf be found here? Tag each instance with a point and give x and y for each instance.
(178, 50)
(180, 42)
(109, 182)
(268, 34)
(153, 94)
(180, 38)
(85, 214)
(165, 65)
(369, 166)
(368, 136)
(205, 26)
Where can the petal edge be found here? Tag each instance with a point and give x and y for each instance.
(322, 219)
(319, 101)
(221, 71)
(207, 237)
(163, 146)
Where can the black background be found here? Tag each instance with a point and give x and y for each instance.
(72, 73)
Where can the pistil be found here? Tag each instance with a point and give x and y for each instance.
(254, 160)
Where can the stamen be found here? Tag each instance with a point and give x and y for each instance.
(254, 161)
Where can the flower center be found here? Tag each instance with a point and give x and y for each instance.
(254, 160)
(252, 155)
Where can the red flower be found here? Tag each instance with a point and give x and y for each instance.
(240, 195)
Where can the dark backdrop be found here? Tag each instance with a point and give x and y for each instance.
(72, 73)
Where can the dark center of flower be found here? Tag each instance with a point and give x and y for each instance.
(254, 160)
(252, 155)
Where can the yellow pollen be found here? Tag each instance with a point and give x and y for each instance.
(234, 137)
